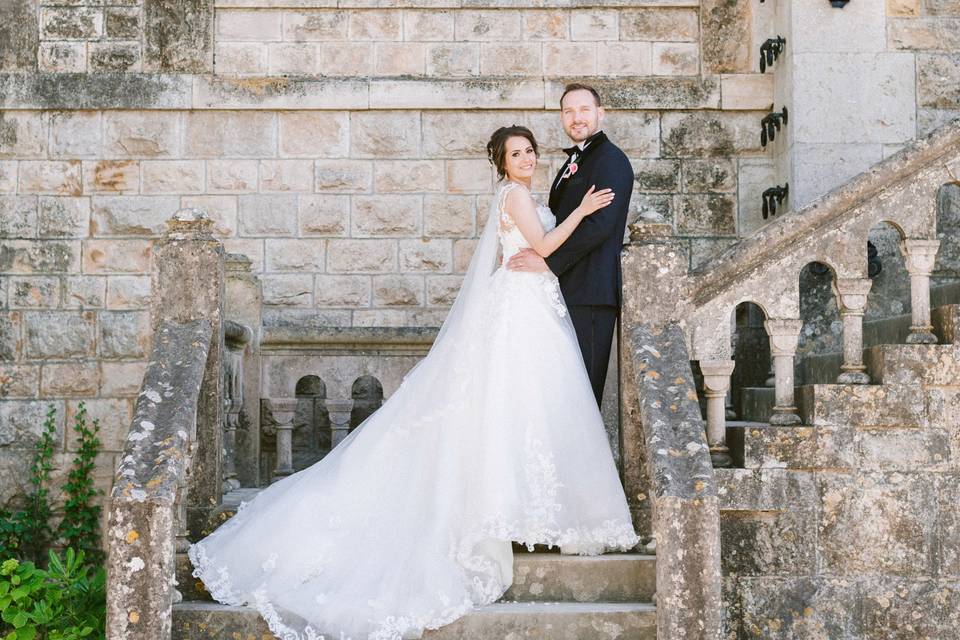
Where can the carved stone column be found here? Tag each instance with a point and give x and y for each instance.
(920, 256)
(851, 296)
(784, 335)
(339, 419)
(716, 383)
(284, 410)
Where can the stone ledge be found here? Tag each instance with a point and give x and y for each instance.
(355, 338)
(447, 4)
(185, 91)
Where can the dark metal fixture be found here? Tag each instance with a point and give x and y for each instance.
(772, 197)
(770, 50)
(770, 124)
(836, 4)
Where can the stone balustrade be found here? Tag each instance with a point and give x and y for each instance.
(170, 472)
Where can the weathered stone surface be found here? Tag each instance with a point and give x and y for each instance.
(81, 379)
(62, 57)
(469, 176)
(862, 405)
(423, 255)
(128, 292)
(624, 58)
(800, 447)
(131, 215)
(798, 607)
(659, 24)
(547, 577)
(213, 134)
(124, 334)
(18, 35)
(569, 59)
(21, 423)
(59, 334)
(751, 91)
(314, 133)
(768, 543)
(232, 176)
(55, 177)
(121, 22)
(503, 93)
(453, 60)
(448, 216)
(717, 175)
(284, 92)
(286, 175)
(18, 216)
(343, 176)
(22, 134)
(342, 291)
(118, 379)
(291, 290)
(675, 59)
(723, 23)
(114, 56)
(19, 381)
(84, 292)
(75, 134)
(373, 216)
(111, 176)
(713, 215)
(361, 256)
(295, 255)
(291, 57)
(8, 176)
(938, 34)
(876, 523)
(34, 292)
(71, 23)
(29, 256)
(938, 77)
(178, 36)
(11, 323)
(442, 290)
(268, 215)
(132, 134)
(397, 290)
(95, 91)
(323, 215)
(709, 134)
(116, 256)
(384, 134)
(422, 26)
(63, 217)
(488, 25)
(240, 57)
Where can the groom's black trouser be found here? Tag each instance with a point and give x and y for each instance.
(595, 325)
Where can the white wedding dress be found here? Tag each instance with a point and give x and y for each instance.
(407, 524)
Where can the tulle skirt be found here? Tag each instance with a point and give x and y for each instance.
(407, 524)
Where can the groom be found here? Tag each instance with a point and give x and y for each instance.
(588, 263)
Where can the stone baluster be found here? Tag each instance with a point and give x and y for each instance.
(236, 338)
(340, 410)
(284, 410)
(784, 335)
(920, 256)
(716, 383)
(851, 296)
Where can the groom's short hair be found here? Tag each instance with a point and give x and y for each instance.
(577, 86)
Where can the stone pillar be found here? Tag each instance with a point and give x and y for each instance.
(284, 411)
(851, 296)
(236, 337)
(921, 256)
(243, 305)
(339, 419)
(784, 336)
(188, 285)
(716, 383)
(654, 269)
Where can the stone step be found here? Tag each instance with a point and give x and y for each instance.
(756, 403)
(526, 620)
(914, 364)
(863, 406)
(546, 577)
(614, 577)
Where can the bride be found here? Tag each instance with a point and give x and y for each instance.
(493, 437)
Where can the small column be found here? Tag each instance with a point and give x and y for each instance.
(851, 296)
(339, 419)
(920, 256)
(716, 383)
(784, 335)
(236, 338)
(284, 411)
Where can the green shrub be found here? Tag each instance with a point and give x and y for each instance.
(81, 519)
(67, 601)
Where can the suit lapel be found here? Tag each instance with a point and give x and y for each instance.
(560, 185)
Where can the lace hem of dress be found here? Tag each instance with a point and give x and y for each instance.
(483, 589)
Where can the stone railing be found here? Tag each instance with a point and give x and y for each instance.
(682, 492)
(765, 268)
(170, 471)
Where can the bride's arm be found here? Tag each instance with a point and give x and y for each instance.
(523, 210)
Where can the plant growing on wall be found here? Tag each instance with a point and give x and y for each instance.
(79, 528)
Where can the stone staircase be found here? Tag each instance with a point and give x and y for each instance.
(553, 597)
(843, 526)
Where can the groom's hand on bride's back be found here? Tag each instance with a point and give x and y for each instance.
(527, 260)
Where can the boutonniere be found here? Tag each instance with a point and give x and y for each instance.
(570, 170)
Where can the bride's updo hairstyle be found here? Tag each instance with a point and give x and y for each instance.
(497, 147)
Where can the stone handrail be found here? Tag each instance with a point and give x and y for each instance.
(683, 493)
(765, 268)
(145, 517)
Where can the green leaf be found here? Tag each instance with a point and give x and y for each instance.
(20, 620)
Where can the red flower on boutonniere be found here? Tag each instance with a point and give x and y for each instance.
(571, 169)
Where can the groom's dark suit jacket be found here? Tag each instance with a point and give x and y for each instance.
(588, 263)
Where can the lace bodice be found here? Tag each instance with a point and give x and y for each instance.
(511, 240)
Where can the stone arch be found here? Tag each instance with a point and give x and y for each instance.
(822, 331)
(750, 349)
(947, 268)
(311, 423)
(367, 394)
